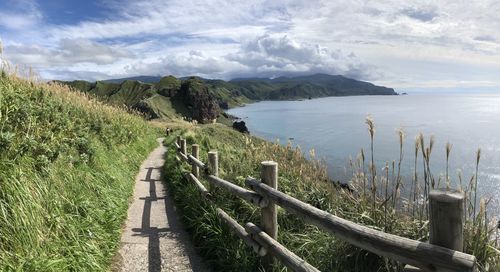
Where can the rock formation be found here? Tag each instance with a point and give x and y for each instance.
(197, 98)
(240, 126)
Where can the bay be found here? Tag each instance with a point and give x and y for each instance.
(335, 128)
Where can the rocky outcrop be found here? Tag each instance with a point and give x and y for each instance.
(240, 126)
(223, 105)
(195, 95)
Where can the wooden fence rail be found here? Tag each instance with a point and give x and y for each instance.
(240, 192)
(443, 253)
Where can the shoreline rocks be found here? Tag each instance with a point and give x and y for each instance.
(241, 127)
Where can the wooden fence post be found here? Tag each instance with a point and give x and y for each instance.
(183, 147)
(195, 152)
(179, 140)
(446, 220)
(213, 164)
(269, 214)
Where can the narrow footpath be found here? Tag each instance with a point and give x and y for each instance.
(154, 238)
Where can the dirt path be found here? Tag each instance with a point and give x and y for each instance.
(154, 238)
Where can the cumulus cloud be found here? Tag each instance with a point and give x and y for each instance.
(276, 55)
(68, 52)
(264, 56)
(195, 62)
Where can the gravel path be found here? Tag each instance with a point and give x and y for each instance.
(154, 238)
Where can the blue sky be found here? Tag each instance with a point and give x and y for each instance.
(406, 44)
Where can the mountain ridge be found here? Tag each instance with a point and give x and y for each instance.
(202, 99)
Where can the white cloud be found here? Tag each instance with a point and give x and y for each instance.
(265, 56)
(394, 42)
(24, 14)
(17, 21)
(67, 53)
(183, 64)
(214, 18)
(274, 55)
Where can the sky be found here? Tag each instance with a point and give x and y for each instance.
(405, 44)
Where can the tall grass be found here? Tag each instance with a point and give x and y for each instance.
(384, 208)
(67, 166)
(479, 228)
(373, 171)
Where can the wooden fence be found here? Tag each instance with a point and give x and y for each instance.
(442, 253)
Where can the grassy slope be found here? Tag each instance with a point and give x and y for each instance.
(240, 156)
(163, 106)
(228, 93)
(66, 172)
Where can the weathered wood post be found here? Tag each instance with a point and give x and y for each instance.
(195, 152)
(446, 220)
(213, 164)
(183, 147)
(179, 140)
(269, 214)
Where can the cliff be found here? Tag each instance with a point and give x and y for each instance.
(202, 99)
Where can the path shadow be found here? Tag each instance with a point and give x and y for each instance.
(173, 231)
(153, 233)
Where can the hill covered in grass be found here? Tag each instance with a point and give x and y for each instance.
(240, 156)
(67, 170)
(202, 99)
(169, 98)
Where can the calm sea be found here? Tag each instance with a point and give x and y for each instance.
(335, 128)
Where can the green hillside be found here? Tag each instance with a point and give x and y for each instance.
(202, 99)
(66, 173)
(189, 98)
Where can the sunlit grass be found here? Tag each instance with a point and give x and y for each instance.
(377, 202)
(67, 166)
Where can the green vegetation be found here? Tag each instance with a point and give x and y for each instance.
(200, 99)
(66, 173)
(168, 99)
(164, 107)
(377, 203)
(318, 85)
(168, 86)
(68, 164)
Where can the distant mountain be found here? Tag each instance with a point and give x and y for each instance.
(200, 98)
(145, 79)
(317, 85)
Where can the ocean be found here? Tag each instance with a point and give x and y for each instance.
(335, 128)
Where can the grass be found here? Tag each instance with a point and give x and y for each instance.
(67, 163)
(240, 156)
(66, 173)
(382, 207)
(163, 106)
